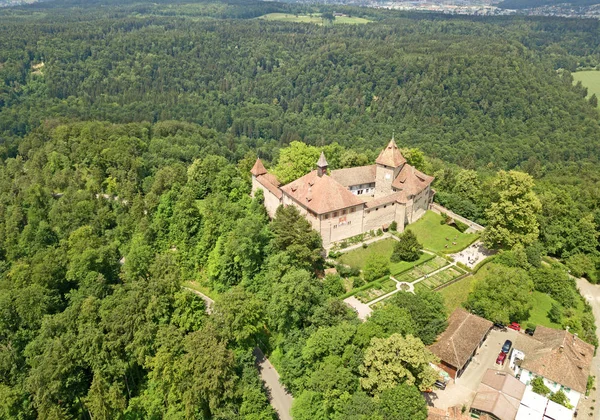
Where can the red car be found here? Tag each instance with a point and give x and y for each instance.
(514, 326)
(501, 358)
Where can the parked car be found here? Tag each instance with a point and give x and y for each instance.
(499, 326)
(514, 326)
(501, 358)
(440, 384)
(506, 347)
(529, 331)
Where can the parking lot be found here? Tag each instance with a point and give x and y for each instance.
(462, 391)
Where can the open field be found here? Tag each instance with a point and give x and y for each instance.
(357, 258)
(590, 79)
(314, 18)
(455, 294)
(539, 313)
(437, 237)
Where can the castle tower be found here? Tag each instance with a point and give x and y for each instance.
(389, 163)
(322, 165)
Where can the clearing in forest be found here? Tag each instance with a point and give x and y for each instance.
(590, 79)
(313, 18)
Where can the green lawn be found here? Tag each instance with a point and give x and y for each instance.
(357, 258)
(455, 294)
(538, 315)
(432, 235)
(590, 79)
(314, 18)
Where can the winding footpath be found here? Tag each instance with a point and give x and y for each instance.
(279, 398)
(591, 293)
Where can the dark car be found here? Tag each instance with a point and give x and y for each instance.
(529, 331)
(506, 347)
(499, 326)
(440, 384)
(501, 358)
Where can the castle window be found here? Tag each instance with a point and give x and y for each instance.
(351, 209)
(343, 211)
(385, 206)
(326, 216)
(334, 226)
(350, 222)
(334, 214)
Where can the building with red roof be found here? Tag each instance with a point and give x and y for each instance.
(350, 201)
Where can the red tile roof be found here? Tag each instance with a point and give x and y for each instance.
(270, 182)
(560, 357)
(258, 168)
(320, 194)
(462, 337)
(391, 156)
(411, 181)
(355, 176)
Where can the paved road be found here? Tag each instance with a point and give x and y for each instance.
(280, 399)
(592, 294)
(208, 301)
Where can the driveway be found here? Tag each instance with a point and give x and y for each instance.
(463, 390)
(280, 399)
(591, 293)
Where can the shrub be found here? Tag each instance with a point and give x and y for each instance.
(555, 314)
(376, 266)
(365, 245)
(538, 386)
(407, 248)
(333, 285)
(460, 226)
(394, 226)
(560, 397)
(357, 281)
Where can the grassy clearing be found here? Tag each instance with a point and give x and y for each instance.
(357, 258)
(313, 18)
(590, 79)
(432, 234)
(539, 314)
(457, 293)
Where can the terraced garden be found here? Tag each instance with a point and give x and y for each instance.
(419, 271)
(379, 289)
(442, 277)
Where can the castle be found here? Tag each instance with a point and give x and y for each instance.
(351, 201)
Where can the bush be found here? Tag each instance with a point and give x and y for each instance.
(460, 226)
(538, 386)
(376, 266)
(332, 284)
(357, 281)
(407, 248)
(394, 226)
(345, 271)
(583, 265)
(555, 314)
(560, 397)
(365, 245)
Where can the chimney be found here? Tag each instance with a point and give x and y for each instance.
(575, 336)
(322, 165)
(561, 348)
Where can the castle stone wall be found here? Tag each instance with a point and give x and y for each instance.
(271, 201)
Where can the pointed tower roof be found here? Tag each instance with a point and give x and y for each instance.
(258, 168)
(391, 156)
(322, 163)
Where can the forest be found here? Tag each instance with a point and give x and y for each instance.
(127, 133)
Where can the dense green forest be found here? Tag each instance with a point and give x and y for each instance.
(127, 135)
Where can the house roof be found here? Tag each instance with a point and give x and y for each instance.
(322, 163)
(452, 413)
(462, 337)
(399, 197)
(391, 156)
(355, 176)
(321, 194)
(258, 168)
(560, 357)
(411, 181)
(499, 393)
(270, 182)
